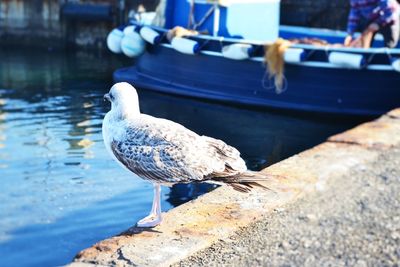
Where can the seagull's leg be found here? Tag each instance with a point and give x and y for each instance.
(154, 217)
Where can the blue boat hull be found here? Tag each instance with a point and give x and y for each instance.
(311, 88)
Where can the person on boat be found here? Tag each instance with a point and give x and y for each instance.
(370, 17)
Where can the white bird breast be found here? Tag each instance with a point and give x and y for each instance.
(111, 131)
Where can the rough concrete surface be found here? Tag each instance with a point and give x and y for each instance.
(355, 221)
(347, 213)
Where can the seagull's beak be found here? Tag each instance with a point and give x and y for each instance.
(107, 97)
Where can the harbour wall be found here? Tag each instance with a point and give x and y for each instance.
(218, 215)
(85, 23)
(62, 23)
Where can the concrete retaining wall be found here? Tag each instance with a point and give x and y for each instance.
(41, 23)
(26, 21)
(215, 216)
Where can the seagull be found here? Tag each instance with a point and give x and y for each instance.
(165, 153)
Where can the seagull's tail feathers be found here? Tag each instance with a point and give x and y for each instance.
(246, 181)
(226, 153)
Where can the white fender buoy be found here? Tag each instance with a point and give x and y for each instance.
(132, 44)
(150, 35)
(185, 46)
(347, 60)
(236, 51)
(114, 39)
(294, 55)
(129, 29)
(396, 64)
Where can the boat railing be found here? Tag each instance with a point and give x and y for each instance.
(301, 54)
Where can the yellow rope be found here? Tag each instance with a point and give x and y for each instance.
(180, 32)
(274, 60)
(274, 57)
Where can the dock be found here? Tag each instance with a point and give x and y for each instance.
(336, 203)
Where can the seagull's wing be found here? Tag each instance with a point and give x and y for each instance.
(166, 152)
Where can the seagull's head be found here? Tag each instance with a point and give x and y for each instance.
(124, 99)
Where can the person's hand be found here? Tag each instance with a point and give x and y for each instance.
(348, 40)
(364, 40)
(358, 42)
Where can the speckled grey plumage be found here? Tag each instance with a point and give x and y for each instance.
(163, 151)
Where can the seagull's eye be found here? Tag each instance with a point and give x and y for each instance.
(111, 96)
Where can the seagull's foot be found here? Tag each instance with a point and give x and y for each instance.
(149, 221)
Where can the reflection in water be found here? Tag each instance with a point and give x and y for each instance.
(61, 192)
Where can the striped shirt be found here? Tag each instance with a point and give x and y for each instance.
(382, 12)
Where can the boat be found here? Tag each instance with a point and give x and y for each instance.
(228, 63)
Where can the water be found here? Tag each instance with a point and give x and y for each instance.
(61, 192)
